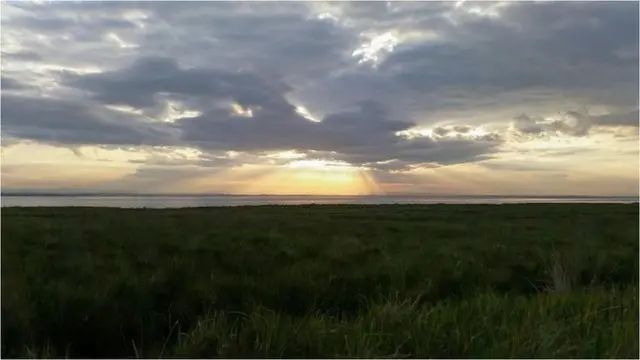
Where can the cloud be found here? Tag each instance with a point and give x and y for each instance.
(22, 56)
(7, 83)
(479, 63)
(573, 123)
(140, 84)
(64, 122)
(388, 86)
(618, 119)
(363, 136)
(513, 52)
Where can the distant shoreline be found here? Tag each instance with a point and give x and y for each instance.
(421, 196)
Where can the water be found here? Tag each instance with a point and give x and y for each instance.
(219, 200)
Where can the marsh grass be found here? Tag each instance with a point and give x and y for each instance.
(562, 272)
(484, 325)
(321, 281)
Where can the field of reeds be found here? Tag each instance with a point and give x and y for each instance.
(393, 281)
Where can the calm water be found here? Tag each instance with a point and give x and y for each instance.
(198, 201)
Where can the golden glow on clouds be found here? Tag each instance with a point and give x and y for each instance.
(46, 167)
(32, 153)
(414, 133)
(322, 165)
(69, 177)
(241, 111)
(476, 132)
(542, 166)
(604, 143)
(174, 154)
(291, 154)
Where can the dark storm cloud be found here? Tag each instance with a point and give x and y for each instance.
(364, 137)
(7, 83)
(476, 62)
(139, 85)
(63, 122)
(276, 38)
(565, 45)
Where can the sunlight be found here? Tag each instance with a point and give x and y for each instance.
(477, 132)
(174, 111)
(459, 3)
(186, 153)
(121, 43)
(322, 165)
(237, 109)
(309, 181)
(312, 177)
(302, 111)
(34, 153)
(124, 109)
(69, 176)
(556, 142)
(136, 17)
(370, 183)
(415, 133)
(451, 132)
(291, 154)
(326, 11)
(373, 50)
(492, 10)
(76, 70)
(326, 15)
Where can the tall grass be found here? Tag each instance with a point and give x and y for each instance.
(330, 281)
(584, 324)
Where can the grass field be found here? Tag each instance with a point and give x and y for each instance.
(438, 281)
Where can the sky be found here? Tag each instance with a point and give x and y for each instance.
(339, 98)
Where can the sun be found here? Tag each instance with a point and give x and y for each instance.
(313, 177)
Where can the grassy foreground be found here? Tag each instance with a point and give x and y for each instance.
(438, 281)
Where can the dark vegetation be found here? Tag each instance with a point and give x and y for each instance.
(321, 281)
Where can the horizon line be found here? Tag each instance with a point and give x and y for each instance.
(133, 194)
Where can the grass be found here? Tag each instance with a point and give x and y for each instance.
(439, 281)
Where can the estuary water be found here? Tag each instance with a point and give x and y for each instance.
(239, 200)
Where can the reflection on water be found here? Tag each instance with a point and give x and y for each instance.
(199, 201)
